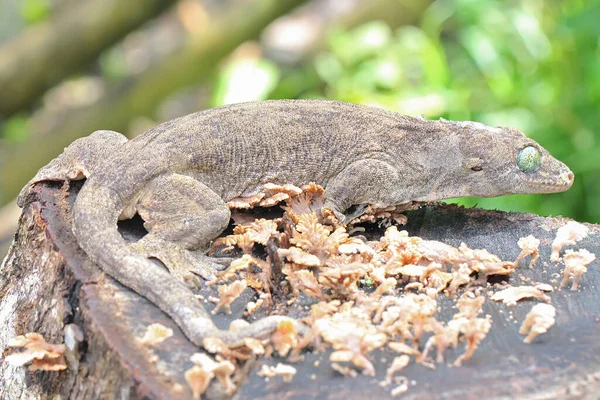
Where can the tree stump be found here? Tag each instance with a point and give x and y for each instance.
(49, 286)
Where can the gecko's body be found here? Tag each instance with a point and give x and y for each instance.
(179, 176)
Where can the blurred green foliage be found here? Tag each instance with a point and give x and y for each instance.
(533, 65)
(16, 129)
(33, 11)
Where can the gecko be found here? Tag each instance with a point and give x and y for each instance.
(179, 176)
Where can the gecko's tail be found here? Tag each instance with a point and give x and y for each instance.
(95, 217)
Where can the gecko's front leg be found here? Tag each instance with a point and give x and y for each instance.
(368, 181)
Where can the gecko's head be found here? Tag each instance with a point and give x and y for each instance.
(495, 161)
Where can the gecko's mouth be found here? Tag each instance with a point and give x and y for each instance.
(562, 183)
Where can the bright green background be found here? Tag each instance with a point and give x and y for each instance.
(532, 65)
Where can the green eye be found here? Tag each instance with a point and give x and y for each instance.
(529, 159)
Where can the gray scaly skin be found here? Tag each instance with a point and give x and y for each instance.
(179, 175)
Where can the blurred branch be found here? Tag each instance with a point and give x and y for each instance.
(393, 12)
(9, 217)
(300, 34)
(46, 53)
(189, 65)
(9, 220)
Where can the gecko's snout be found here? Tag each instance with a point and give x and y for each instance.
(553, 178)
(565, 179)
(570, 179)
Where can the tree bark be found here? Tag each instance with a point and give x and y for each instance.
(49, 286)
(48, 52)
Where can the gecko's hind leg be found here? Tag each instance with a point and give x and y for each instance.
(78, 161)
(182, 216)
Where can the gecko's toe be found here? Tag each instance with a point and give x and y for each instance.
(191, 266)
(201, 266)
(353, 212)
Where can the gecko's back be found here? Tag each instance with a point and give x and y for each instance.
(234, 149)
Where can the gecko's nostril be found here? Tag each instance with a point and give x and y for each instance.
(570, 176)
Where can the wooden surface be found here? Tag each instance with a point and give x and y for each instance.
(47, 283)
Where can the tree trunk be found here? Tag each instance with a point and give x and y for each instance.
(49, 286)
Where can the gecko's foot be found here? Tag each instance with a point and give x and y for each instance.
(193, 265)
(188, 265)
(338, 218)
(355, 212)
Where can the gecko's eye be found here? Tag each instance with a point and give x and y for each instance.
(529, 159)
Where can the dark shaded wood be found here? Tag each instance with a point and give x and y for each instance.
(48, 283)
(561, 364)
